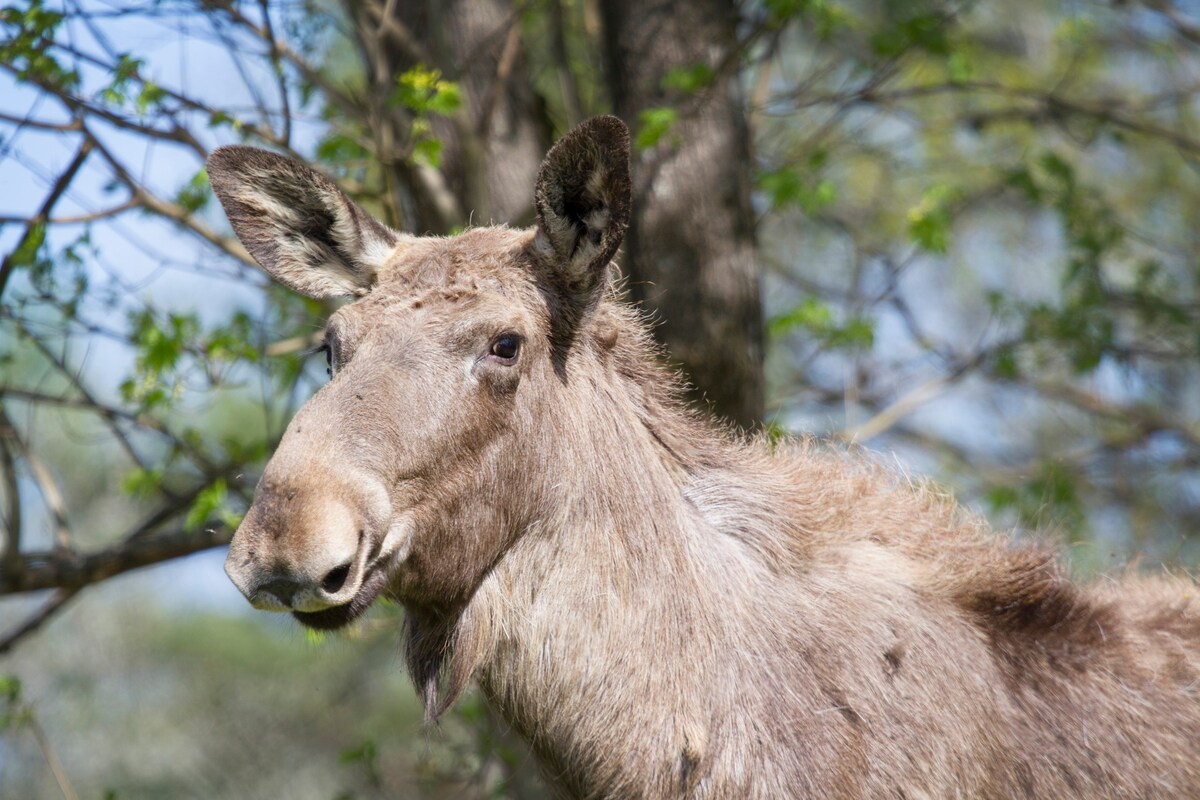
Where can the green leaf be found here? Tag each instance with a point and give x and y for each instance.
(194, 194)
(151, 95)
(209, 504)
(960, 67)
(857, 332)
(783, 10)
(929, 221)
(10, 688)
(923, 31)
(1022, 179)
(428, 151)
(424, 92)
(338, 148)
(26, 253)
(12, 712)
(655, 124)
(811, 314)
(232, 342)
(446, 98)
(817, 318)
(1051, 493)
(785, 187)
(689, 79)
(1004, 363)
(143, 483)
(126, 68)
(367, 751)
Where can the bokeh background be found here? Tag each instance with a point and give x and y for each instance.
(965, 235)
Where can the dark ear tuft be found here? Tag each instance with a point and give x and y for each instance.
(582, 199)
(298, 224)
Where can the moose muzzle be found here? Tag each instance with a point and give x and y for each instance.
(307, 549)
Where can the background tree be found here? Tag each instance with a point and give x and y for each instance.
(689, 252)
(970, 227)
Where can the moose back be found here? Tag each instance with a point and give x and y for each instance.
(660, 607)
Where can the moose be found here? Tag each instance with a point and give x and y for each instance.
(659, 605)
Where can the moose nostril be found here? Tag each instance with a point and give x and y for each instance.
(336, 579)
(284, 589)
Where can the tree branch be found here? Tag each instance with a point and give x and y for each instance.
(39, 618)
(173, 211)
(12, 491)
(46, 484)
(69, 569)
(56, 191)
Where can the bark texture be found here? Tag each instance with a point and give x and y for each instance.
(492, 147)
(690, 248)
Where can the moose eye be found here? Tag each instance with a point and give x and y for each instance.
(328, 351)
(505, 347)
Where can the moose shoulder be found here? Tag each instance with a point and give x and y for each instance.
(659, 607)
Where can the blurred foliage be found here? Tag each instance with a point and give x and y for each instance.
(994, 201)
(975, 220)
(213, 706)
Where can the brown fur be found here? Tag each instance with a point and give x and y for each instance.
(664, 608)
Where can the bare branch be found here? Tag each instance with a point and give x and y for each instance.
(77, 219)
(60, 365)
(897, 410)
(504, 67)
(277, 67)
(12, 491)
(335, 94)
(567, 80)
(81, 108)
(42, 125)
(1042, 105)
(165, 208)
(56, 192)
(56, 767)
(56, 569)
(1147, 419)
(1183, 26)
(39, 618)
(397, 34)
(51, 494)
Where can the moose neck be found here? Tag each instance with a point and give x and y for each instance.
(623, 562)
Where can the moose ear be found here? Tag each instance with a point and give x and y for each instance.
(582, 200)
(297, 224)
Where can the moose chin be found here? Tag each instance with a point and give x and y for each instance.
(661, 606)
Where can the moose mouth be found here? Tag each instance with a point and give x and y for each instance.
(331, 619)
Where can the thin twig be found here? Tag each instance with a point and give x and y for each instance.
(12, 491)
(48, 487)
(61, 367)
(897, 410)
(568, 83)
(56, 191)
(39, 618)
(504, 67)
(277, 68)
(56, 767)
(76, 219)
(173, 211)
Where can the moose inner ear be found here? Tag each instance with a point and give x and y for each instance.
(303, 230)
(582, 200)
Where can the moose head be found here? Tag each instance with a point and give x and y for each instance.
(408, 472)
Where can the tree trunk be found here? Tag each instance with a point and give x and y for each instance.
(690, 249)
(493, 146)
